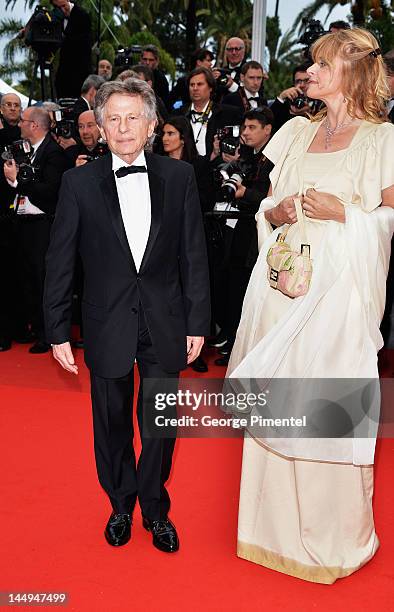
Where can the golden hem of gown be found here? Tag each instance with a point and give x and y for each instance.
(260, 442)
(279, 563)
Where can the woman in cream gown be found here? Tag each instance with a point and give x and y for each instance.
(306, 505)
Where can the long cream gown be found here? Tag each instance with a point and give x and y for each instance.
(308, 513)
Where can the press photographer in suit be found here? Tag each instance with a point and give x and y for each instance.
(34, 204)
(135, 219)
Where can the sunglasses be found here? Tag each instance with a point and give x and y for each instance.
(233, 49)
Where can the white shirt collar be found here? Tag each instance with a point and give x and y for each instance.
(117, 162)
(249, 94)
(87, 102)
(37, 144)
(203, 110)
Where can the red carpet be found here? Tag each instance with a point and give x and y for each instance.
(53, 513)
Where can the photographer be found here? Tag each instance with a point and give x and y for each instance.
(75, 52)
(206, 116)
(89, 148)
(292, 102)
(9, 131)
(248, 185)
(35, 196)
(89, 89)
(180, 92)
(10, 107)
(248, 95)
(150, 57)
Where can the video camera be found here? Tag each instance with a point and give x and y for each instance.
(230, 175)
(44, 32)
(313, 30)
(228, 138)
(124, 56)
(21, 151)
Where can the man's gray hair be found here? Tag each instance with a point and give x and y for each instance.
(93, 80)
(129, 87)
(41, 117)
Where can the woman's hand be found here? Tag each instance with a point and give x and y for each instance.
(323, 206)
(284, 212)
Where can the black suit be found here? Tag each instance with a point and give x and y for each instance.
(75, 55)
(241, 102)
(33, 230)
(128, 315)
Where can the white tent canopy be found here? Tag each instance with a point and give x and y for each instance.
(4, 88)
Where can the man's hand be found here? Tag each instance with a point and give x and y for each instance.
(240, 191)
(81, 160)
(323, 206)
(63, 354)
(291, 93)
(284, 212)
(194, 345)
(65, 143)
(10, 170)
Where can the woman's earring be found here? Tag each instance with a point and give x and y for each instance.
(344, 100)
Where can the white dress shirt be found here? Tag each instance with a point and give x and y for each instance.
(249, 94)
(135, 206)
(200, 129)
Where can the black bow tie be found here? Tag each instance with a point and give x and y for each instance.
(254, 98)
(125, 170)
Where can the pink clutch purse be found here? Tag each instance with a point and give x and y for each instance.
(290, 271)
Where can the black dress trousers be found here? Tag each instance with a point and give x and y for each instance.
(122, 478)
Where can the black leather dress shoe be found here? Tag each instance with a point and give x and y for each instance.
(222, 361)
(5, 344)
(199, 365)
(39, 347)
(218, 340)
(165, 537)
(118, 529)
(24, 337)
(226, 348)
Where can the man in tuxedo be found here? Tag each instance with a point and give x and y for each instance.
(75, 52)
(283, 107)
(34, 205)
(248, 96)
(89, 89)
(150, 57)
(135, 219)
(9, 132)
(206, 116)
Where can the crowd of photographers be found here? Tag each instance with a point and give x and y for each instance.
(216, 119)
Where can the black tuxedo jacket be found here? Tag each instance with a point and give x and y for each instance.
(75, 54)
(51, 162)
(235, 99)
(172, 284)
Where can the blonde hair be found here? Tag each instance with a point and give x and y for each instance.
(364, 82)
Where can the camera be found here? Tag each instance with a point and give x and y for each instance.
(44, 32)
(299, 102)
(124, 56)
(228, 139)
(230, 175)
(21, 151)
(100, 150)
(64, 122)
(313, 31)
(221, 80)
